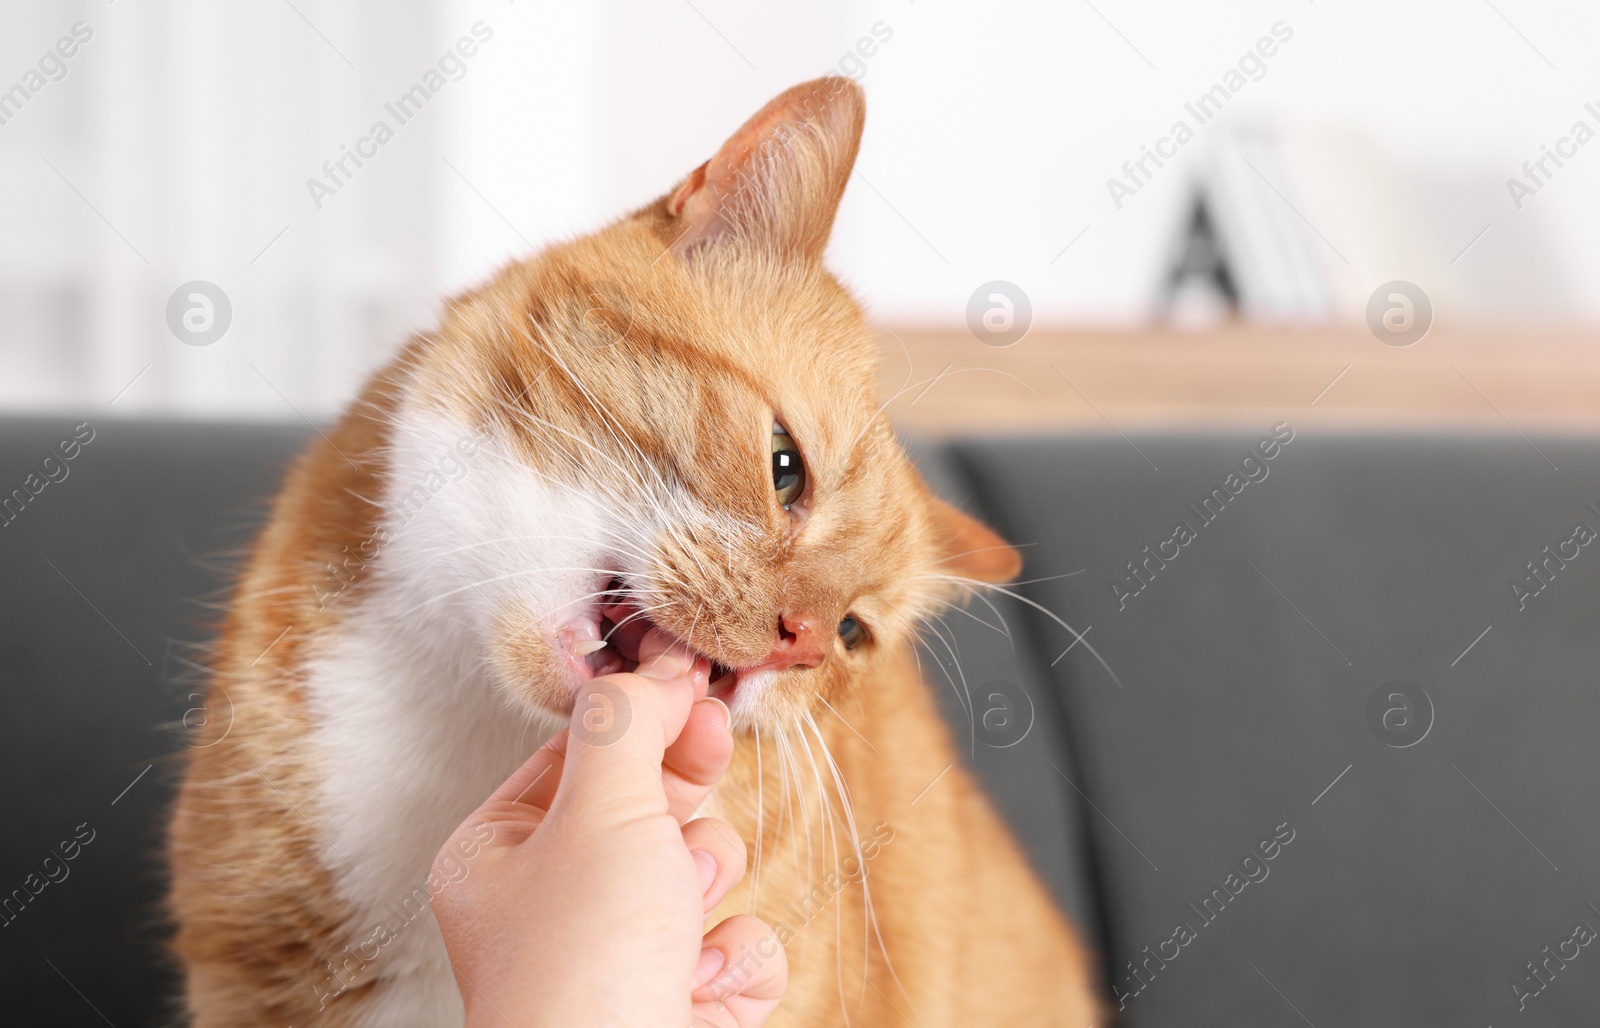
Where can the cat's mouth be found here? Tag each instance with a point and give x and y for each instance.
(606, 639)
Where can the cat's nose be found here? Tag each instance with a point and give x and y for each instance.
(799, 644)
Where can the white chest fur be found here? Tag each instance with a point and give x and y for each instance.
(407, 749)
(411, 731)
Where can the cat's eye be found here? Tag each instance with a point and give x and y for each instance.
(788, 470)
(851, 632)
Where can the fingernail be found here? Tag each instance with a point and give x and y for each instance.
(708, 868)
(727, 718)
(711, 961)
(672, 663)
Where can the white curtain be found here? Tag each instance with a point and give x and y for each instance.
(176, 148)
(175, 145)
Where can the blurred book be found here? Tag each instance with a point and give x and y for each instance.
(1298, 225)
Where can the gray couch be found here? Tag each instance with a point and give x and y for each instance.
(1234, 816)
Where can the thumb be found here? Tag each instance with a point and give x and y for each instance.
(622, 724)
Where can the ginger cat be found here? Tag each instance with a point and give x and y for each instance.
(673, 422)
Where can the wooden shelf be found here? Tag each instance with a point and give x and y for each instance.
(1544, 381)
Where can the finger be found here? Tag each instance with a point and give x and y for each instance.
(620, 729)
(656, 643)
(690, 766)
(697, 758)
(752, 978)
(720, 855)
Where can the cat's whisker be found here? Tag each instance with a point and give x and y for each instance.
(699, 608)
(973, 583)
(1000, 629)
(830, 839)
(800, 801)
(1005, 625)
(855, 843)
(907, 387)
(786, 818)
(761, 823)
(624, 591)
(870, 916)
(964, 691)
(786, 821)
(847, 724)
(436, 597)
(910, 365)
(529, 537)
(1046, 578)
(784, 815)
(282, 590)
(717, 636)
(642, 612)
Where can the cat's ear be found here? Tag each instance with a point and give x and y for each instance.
(972, 549)
(776, 183)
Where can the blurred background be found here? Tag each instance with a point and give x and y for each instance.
(1120, 254)
(1374, 142)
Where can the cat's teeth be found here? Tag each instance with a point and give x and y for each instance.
(583, 649)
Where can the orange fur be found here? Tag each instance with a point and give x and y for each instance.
(644, 365)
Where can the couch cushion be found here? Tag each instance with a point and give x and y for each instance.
(111, 578)
(1419, 880)
(1416, 886)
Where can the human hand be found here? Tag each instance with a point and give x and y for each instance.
(585, 905)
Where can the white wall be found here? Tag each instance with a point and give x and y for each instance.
(191, 128)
